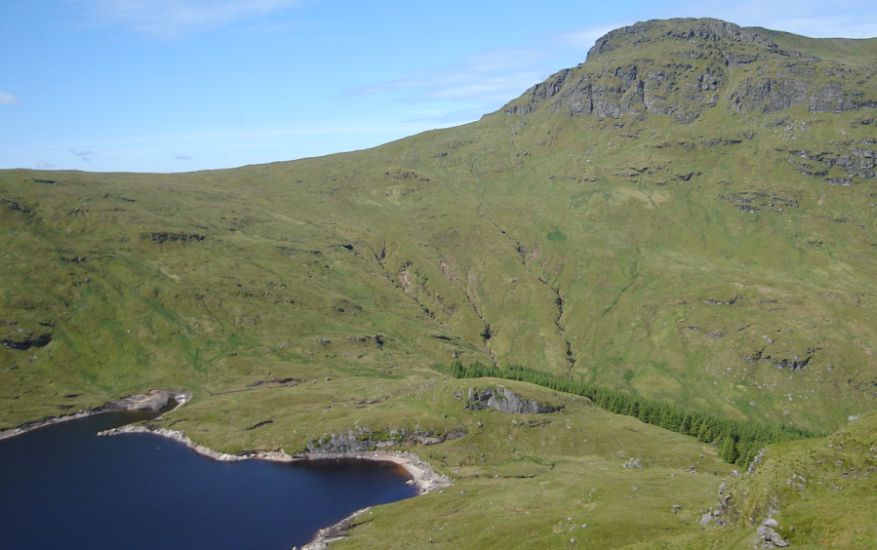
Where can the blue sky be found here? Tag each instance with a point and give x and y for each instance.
(177, 85)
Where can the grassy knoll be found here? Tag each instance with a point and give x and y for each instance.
(738, 442)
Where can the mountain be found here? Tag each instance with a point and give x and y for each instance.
(687, 218)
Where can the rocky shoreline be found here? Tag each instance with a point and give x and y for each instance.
(423, 476)
(335, 532)
(151, 401)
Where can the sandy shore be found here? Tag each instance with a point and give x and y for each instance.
(151, 400)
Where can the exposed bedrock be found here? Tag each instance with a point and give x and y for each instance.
(505, 401)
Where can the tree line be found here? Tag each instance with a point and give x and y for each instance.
(738, 441)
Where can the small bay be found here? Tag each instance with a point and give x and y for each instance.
(62, 486)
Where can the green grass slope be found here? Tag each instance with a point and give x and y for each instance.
(689, 216)
(822, 493)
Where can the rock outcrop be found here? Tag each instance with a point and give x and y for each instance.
(706, 30)
(505, 401)
(767, 537)
(364, 439)
(853, 160)
(152, 401)
(26, 342)
(623, 77)
(162, 237)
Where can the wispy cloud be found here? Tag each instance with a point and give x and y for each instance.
(817, 18)
(174, 18)
(483, 82)
(85, 155)
(827, 26)
(7, 99)
(479, 84)
(182, 157)
(473, 86)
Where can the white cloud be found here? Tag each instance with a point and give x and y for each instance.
(476, 84)
(6, 98)
(85, 155)
(174, 18)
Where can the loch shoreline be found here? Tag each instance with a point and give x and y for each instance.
(154, 401)
(423, 477)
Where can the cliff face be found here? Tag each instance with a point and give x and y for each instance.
(683, 68)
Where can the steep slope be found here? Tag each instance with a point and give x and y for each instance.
(820, 492)
(688, 216)
(684, 68)
(704, 168)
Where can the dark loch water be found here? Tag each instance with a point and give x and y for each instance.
(63, 487)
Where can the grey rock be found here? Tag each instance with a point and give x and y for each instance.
(162, 237)
(344, 443)
(711, 516)
(768, 537)
(702, 30)
(364, 439)
(152, 401)
(768, 95)
(706, 53)
(26, 342)
(856, 162)
(755, 463)
(505, 401)
(795, 363)
(834, 98)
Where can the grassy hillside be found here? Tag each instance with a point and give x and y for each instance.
(821, 492)
(689, 217)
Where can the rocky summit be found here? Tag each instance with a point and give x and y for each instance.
(704, 61)
(673, 244)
